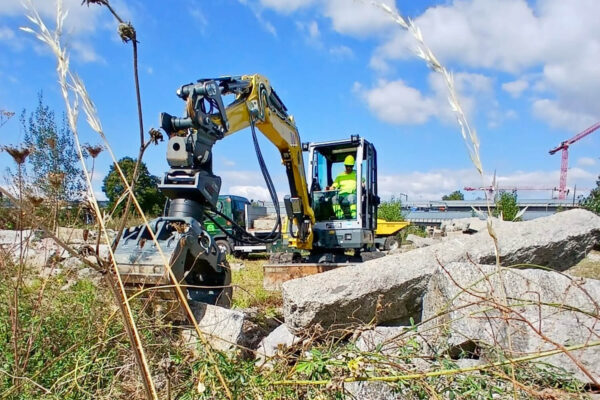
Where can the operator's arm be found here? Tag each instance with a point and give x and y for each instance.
(335, 184)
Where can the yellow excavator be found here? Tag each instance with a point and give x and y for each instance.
(321, 222)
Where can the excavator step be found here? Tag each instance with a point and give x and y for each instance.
(275, 274)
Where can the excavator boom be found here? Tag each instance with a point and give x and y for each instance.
(193, 188)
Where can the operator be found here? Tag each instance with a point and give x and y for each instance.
(345, 182)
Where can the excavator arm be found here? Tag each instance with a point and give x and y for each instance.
(255, 104)
(194, 258)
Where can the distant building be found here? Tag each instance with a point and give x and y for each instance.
(428, 213)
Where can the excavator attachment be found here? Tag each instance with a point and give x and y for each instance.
(181, 246)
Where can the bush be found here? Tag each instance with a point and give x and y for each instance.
(506, 205)
(391, 210)
(592, 202)
(456, 195)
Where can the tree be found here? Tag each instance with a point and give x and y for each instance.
(391, 210)
(456, 195)
(507, 205)
(592, 202)
(146, 187)
(53, 159)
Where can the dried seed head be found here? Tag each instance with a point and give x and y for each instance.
(56, 179)
(155, 135)
(5, 116)
(35, 200)
(18, 154)
(93, 151)
(88, 2)
(126, 31)
(51, 142)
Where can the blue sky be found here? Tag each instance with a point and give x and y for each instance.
(526, 72)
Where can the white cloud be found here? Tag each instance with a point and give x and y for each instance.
(558, 40)
(267, 26)
(6, 33)
(515, 88)
(236, 182)
(227, 162)
(557, 116)
(341, 52)
(396, 102)
(85, 52)
(356, 18)
(198, 16)
(80, 18)
(250, 184)
(311, 32)
(286, 6)
(100, 196)
(250, 192)
(9, 37)
(80, 24)
(586, 162)
(548, 47)
(257, 9)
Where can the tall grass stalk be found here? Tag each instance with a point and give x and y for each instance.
(73, 90)
(71, 87)
(469, 134)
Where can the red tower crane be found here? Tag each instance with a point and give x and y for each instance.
(564, 146)
(492, 189)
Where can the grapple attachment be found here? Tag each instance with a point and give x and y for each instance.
(194, 258)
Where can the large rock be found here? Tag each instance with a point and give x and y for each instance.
(467, 224)
(419, 241)
(10, 239)
(223, 328)
(278, 340)
(371, 391)
(75, 235)
(387, 339)
(463, 308)
(390, 289)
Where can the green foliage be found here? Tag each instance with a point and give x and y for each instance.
(250, 278)
(391, 210)
(507, 205)
(456, 195)
(592, 202)
(414, 230)
(146, 187)
(71, 346)
(54, 158)
(80, 351)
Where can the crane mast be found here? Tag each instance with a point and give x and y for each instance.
(564, 163)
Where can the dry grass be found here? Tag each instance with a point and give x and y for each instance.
(589, 267)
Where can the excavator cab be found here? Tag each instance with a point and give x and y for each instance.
(343, 193)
